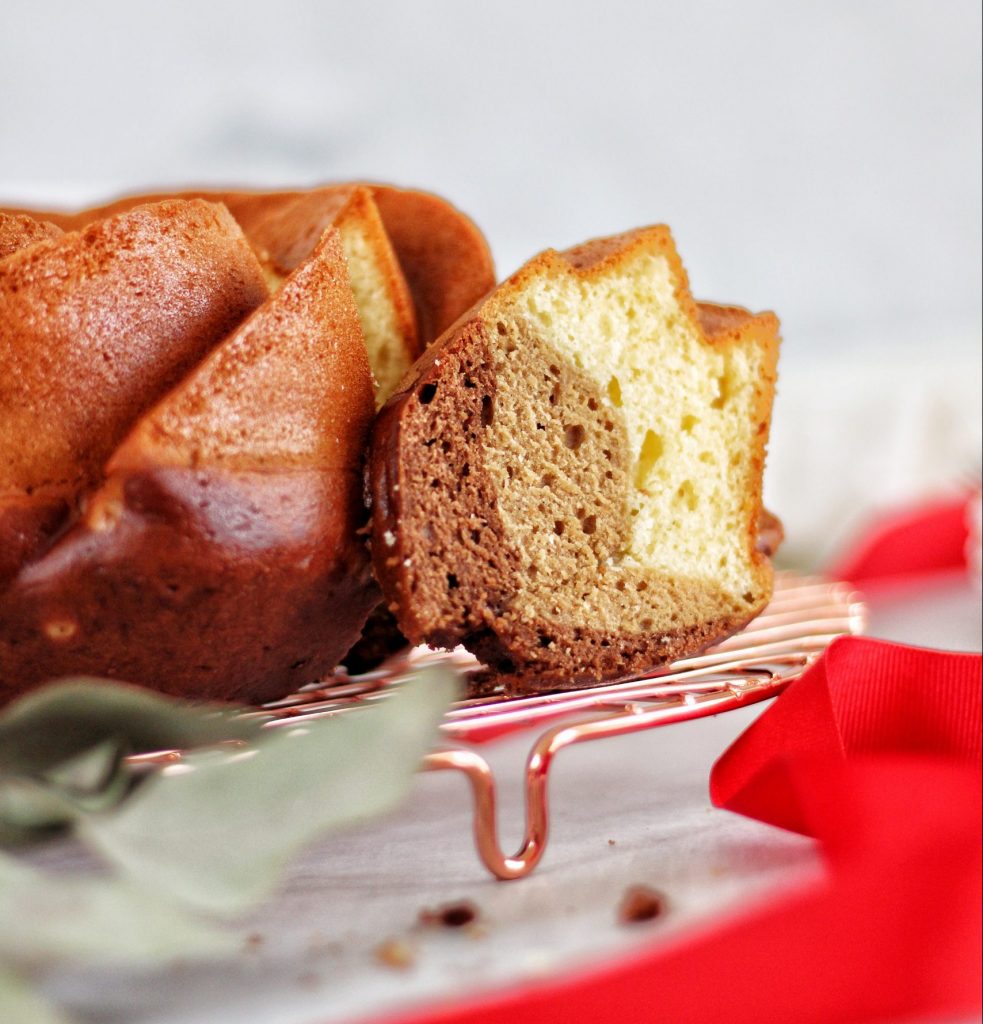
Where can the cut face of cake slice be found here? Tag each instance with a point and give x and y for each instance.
(570, 484)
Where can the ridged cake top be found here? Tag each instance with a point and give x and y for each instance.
(97, 324)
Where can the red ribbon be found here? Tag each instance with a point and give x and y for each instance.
(929, 538)
(876, 752)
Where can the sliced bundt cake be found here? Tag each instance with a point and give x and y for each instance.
(415, 264)
(220, 556)
(569, 484)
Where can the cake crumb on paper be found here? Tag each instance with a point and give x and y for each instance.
(449, 915)
(396, 953)
(640, 903)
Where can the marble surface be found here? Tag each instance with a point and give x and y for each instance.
(310, 954)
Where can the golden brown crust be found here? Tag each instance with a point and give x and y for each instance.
(289, 388)
(75, 220)
(221, 557)
(286, 227)
(208, 583)
(18, 230)
(443, 255)
(81, 357)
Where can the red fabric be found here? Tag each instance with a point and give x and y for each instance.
(930, 538)
(875, 751)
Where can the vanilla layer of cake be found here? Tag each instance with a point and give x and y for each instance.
(685, 411)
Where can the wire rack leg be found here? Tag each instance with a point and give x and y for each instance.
(619, 720)
(484, 791)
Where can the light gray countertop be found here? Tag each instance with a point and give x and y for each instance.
(309, 954)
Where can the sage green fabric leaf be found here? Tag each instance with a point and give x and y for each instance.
(63, 720)
(88, 772)
(46, 918)
(32, 808)
(217, 829)
(62, 749)
(20, 1003)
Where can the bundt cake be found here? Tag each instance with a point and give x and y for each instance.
(218, 557)
(569, 482)
(415, 261)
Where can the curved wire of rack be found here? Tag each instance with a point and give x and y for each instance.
(805, 615)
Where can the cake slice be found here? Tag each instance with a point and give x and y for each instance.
(569, 484)
(221, 556)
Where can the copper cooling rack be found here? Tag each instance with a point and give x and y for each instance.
(805, 615)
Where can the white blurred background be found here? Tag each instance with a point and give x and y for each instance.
(822, 159)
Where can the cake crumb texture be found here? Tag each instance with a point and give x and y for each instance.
(573, 475)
